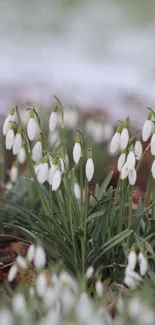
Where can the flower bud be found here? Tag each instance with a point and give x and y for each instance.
(124, 137)
(138, 149)
(12, 272)
(39, 257)
(9, 140)
(131, 160)
(32, 126)
(153, 169)
(89, 272)
(132, 260)
(77, 191)
(41, 284)
(21, 261)
(132, 176)
(37, 151)
(147, 128)
(153, 145)
(89, 166)
(143, 264)
(53, 119)
(21, 157)
(99, 288)
(9, 118)
(17, 142)
(43, 171)
(30, 253)
(124, 171)
(56, 180)
(77, 150)
(121, 161)
(115, 142)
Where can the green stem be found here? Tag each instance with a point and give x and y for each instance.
(130, 208)
(85, 214)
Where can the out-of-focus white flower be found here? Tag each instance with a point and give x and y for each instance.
(9, 140)
(135, 307)
(39, 257)
(21, 261)
(89, 166)
(67, 280)
(143, 263)
(115, 142)
(153, 145)
(121, 161)
(12, 272)
(52, 171)
(21, 157)
(99, 288)
(132, 260)
(131, 160)
(138, 149)
(77, 191)
(131, 279)
(153, 169)
(37, 151)
(56, 180)
(19, 304)
(6, 317)
(9, 186)
(32, 126)
(84, 311)
(132, 176)
(124, 138)
(54, 137)
(53, 119)
(124, 171)
(67, 300)
(70, 119)
(30, 253)
(14, 173)
(17, 142)
(147, 128)
(89, 272)
(50, 296)
(43, 172)
(41, 284)
(9, 118)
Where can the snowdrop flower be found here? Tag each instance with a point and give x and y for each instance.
(62, 166)
(32, 126)
(89, 166)
(132, 278)
(124, 137)
(121, 161)
(132, 176)
(89, 272)
(115, 142)
(138, 149)
(21, 157)
(9, 118)
(9, 140)
(17, 142)
(12, 272)
(147, 128)
(30, 253)
(39, 257)
(43, 171)
(99, 288)
(132, 260)
(77, 191)
(14, 173)
(135, 307)
(41, 284)
(19, 304)
(9, 186)
(143, 264)
(37, 151)
(153, 145)
(53, 119)
(56, 180)
(67, 280)
(52, 171)
(6, 317)
(124, 171)
(153, 169)
(21, 261)
(77, 150)
(131, 160)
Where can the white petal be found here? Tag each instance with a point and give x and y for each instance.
(14, 174)
(41, 284)
(147, 130)
(39, 258)
(124, 171)
(138, 150)
(99, 288)
(19, 304)
(132, 176)
(77, 152)
(62, 166)
(153, 169)
(124, 138)
(9, 140)
(131, 160)
(132, 260)
(115, 142)
(30, 253)
(17, 144)
(21, 261)
(89, 272)
(43, 173)
(12, 272)
(121, 161)
(21, 157)
(77, 191)
(52, 171)
(31, 128)
(6, 125)
(56, 180)
(89, 169)
(53, 121)
(153, 145)
(37, 152)
(143, 264)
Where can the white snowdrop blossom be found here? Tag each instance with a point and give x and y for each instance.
(32, 126)
(41, 284)
(99, 288)
(132, 260)
(121, 161)
(89, 272)
(17, 143)
(67, 280)
(132, 176)
(52, 171)
(53, 119)
(77, 191)
(30, 253)
(43, 172)
(147, 128)
(124, 171)
(132, 278)
(62, 166)
(9, 118)
(56, 180)
(21, 261)
(77, 152)
(115, 142)
(37, 151)
(21, 157)
(12, 272)
(124, 138)
(89, 166)
(138, 150)
(14, 174)
(19, 304)
(153, 169)
(131, 160)
(39, 257)
(143, 264)
(153, 145)
(9, 140)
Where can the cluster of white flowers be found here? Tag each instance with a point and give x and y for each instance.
(132, 278)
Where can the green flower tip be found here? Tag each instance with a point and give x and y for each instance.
(149, 116)
(89, 153)
(12, 111)
(119, 128)
(45, 158)
(11, 125)
(55, 108)
(77, 139)
(126, 123)
(19, 129)
(131, 147)
(31, 113)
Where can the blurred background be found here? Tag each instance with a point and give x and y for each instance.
(94, 54)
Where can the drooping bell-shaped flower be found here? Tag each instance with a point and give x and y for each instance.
(147, 128)
(138, 149)
(19, 304)
(9, 140)
(41, 284)
(124, 171)
(43, 171)
(21, 261)
(121, 161)
(21, 157)
(89, 165)
(9, 118)
(153, 169)
(37, 151)
(132, 260)
(12, 272)
(132, 176)
(115, 142)
(14, 173)
(89, 272)
(77, 149)
(17, 142)
(39, 257)
(62, 166)
(124, 137)
(56, 180)
(53, 119)
(153, 145)
(30, 253)
(52, 170)
(32, 126)
(131, 160)
(143, 263)
(99, 288)
(77, 191)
